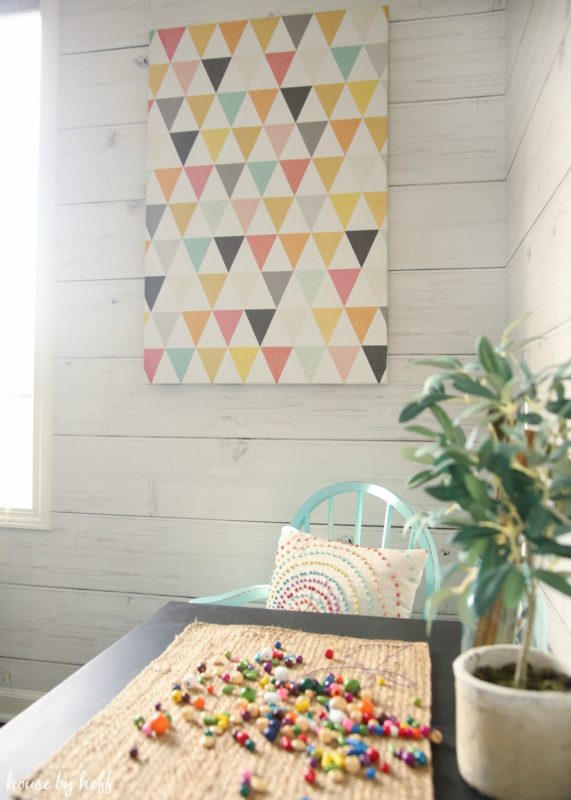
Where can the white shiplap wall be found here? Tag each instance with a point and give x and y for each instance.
(538, 151)
(176, 491)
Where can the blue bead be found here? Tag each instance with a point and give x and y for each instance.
(371, 772)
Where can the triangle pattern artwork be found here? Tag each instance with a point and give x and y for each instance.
(266, 214)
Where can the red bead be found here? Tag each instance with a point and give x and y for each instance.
(210, 689)
(242, 737)
(385, 768)
(309, 775)
(286, 744)
(329, 653)
(373, 754)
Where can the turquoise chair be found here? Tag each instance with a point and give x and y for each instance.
(418, 536)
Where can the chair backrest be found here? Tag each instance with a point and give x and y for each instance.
(418, 536)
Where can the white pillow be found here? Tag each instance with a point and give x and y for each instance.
(313, 574)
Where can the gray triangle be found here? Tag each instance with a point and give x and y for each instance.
(166, 251)
(377, 358)
(154, 214)
(260, 319)
(277, 283)
(228, 247)
(153, 285)
(230, 175)
(169, 107)
(296, 25)
(165, 322)
(378, 53)
(385, 312)
(311, 133)
(183, 142)
(311, 206)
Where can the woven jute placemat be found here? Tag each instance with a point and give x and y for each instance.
(95, 762)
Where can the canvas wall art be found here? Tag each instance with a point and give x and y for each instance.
(266, 251)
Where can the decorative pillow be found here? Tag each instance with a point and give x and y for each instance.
(312, 574)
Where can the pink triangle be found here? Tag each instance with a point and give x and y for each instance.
(245, 210)
(152, 358)
(280, 63)
(294, 170)
(276, 358)
(150, 104)
(198, 176)
(227, 321)
(278, 136)
(170, 37)
(185, 71)
(344, 358)
(344, 280)
(260, 245)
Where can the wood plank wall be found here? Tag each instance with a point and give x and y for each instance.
(538, 152)
(167, 491)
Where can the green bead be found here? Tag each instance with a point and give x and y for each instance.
(228, 689)
(276, 662)
(245, 789)
(296, 730)
(250, 745)
(248, 694)
(323, 699)
(363, 730)
(329, 724)
(251, 674)
(417, 702)
(341, 740)
(210, 720)
(139, 721)
(228, 654)
(352, 685)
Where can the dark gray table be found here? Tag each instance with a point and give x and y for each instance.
(34, 734)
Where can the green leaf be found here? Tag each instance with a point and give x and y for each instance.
(441, 362)
(553, 579)
(420, 478)
(451, 492)
(422, 431)
(488, 356)
(469, 534)
(515, 588)
(415, 408)
(552, 548)
(468, 385)
(477, 490)
(444, 420)
(412, 454)
(488, 586)
(536, 522)
(560, 407)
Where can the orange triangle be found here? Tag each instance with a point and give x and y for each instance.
(263, 100)
(157, 73)
(293, 244)
(329, 94)
(243, 358)
(196, 322)
(247, 138)
(215, 140)
(264, 29)
(329, 22)
(232, 32)
(211, 358)
(361, 319)
(167, 179)
(201, 35)
(200, 106)
(344, 205)
(377, 202)
(327, 319)
(277, 209)
(378, 129)
(212, 286)
(345, 130)
(182, 213)
(328, 169)
(327, 244)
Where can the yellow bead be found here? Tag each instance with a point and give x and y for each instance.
(380, 681)
(208, 742)
(223, 723)
(302, 705)
(327, 760)
(264, 681)
(338, 759)
(176, 696)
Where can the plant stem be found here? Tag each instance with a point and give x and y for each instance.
(520, 680)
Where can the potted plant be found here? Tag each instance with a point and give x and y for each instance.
(498, 462)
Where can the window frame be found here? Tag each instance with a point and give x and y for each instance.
(38, 517)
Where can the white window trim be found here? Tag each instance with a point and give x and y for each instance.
(39, 516)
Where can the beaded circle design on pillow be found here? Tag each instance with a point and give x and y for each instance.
(313, 574)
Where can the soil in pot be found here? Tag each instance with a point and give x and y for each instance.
(538, 680)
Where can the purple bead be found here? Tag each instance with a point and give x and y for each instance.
(365, 760)
(246, 716)
(268, 666)
(349, 697)
(409, 759)
(299, 659)
(314, 763)
(158, 706)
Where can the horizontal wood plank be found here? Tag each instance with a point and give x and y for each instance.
(430, 314)
(544, 155)
(87, 26)
(35, 676)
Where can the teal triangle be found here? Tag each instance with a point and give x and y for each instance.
(310, 359)
(346, 57)
(151, 36)
(180, 359)
(196, 249)
(262, 171)
(231, 103)
(310, 282)
(213, 210)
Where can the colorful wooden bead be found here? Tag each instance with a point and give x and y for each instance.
(329, 653)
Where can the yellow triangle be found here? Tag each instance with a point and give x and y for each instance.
(362, 92)
(327, 319)
(327, 244)
(377, 202)
(215, 139)
(212, 286)
(328, 169)
(247, 138)
(378, 129)
(244, 357)
(329, 94)
(167, 179)
(264, 29)
(182, 213)
(329, 22)
(361, 319)
(344, 205)
(200, 106)
(263, 100)
(211, 358)
(157, 73)
(293, 244)
(278, 208)
(146, 316)
(201, 35)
